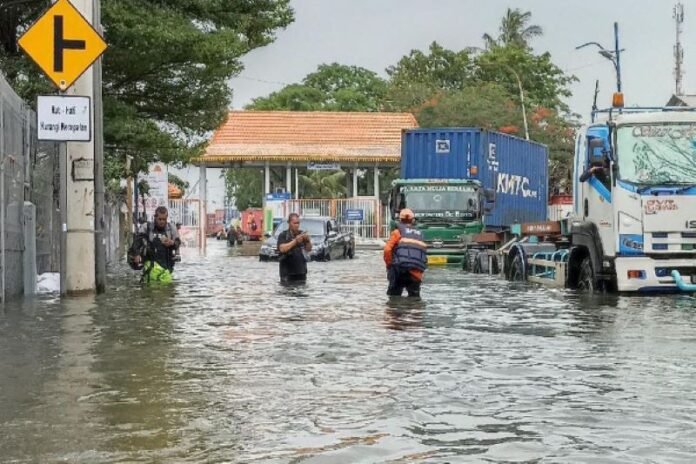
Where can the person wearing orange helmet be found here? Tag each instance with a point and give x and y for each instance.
(405, 257)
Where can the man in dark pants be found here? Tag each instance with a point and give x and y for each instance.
(292, 245)
(405, 257)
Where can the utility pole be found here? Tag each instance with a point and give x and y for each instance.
(617, 55)
(612, 55)
(80, 247)
(678, 50)
(99, 237)
(524, 111)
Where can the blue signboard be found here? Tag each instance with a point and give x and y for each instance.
(278, 196)
(353, 215)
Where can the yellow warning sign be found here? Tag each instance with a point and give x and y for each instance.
(62, 43)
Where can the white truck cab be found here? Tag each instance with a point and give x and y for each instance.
(636, 215)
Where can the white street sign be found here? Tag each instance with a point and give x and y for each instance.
(64, 118)
(316, 166)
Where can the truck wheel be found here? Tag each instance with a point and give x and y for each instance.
(477, 266)
(586, 280)
(516, 273)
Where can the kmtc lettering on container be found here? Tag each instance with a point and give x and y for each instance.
(515, 185)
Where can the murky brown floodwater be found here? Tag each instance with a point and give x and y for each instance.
(228, 366)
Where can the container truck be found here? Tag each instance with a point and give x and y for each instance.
(633, 228)
(460, 182)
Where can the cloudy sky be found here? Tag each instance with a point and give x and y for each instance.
(376, 33)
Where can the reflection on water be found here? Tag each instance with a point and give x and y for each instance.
(228, 365)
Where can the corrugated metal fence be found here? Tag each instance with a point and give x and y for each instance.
(365, 217)
(28, 172)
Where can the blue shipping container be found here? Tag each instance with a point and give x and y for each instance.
(516, 169)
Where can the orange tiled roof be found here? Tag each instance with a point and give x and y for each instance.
(308, 136)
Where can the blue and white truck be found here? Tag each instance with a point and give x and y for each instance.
(633, 227)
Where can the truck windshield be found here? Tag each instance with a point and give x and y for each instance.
(442, 201)
(653, 154)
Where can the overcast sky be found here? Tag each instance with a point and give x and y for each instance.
(376, 33)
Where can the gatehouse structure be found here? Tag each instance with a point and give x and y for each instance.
(284, 142)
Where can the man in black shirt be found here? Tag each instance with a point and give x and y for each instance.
(291, 243)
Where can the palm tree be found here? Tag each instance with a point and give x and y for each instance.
(514, 30)
(323, 185)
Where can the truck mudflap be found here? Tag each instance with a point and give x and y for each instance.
(681, 285)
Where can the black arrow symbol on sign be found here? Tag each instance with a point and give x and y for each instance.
(60, 44)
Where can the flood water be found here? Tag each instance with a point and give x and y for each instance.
(228, 366)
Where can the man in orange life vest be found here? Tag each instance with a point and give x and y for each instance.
(405, 257)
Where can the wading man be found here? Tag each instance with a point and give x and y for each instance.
(405, 257)
(293, 245)
(156, 248)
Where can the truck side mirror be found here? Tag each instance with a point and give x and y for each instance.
(489, 195)
(598, 153)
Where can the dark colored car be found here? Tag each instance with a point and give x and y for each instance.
(328, 242)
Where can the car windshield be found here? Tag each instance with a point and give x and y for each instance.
(657, 153)
(449, 200)
(311, 226)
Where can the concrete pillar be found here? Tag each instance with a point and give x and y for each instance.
(297, 184)
(355, 182)
(80, 249)
(203, 196)
(29, 254)
(288, 178)
(348, 183)
(266, 180)
(376, 183)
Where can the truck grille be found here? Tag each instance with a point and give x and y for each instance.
(670, 242)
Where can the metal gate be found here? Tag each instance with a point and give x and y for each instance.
(188, 213)
(365, 217)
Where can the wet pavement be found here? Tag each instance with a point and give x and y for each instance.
(229, 366)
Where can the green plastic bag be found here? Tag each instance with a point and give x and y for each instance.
(156, 274)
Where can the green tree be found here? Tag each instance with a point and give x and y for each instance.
(318, 184)
(332, 87)
(514, 30)
(245, 187)
(544, 83)
(440, 68)
(166, 71)
(485, 105)
(418, 76)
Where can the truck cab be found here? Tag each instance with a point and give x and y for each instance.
(448, 212)
(635, 216)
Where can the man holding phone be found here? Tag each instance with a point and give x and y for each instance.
(292, 246)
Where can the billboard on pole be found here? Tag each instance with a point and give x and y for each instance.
(158, 195)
